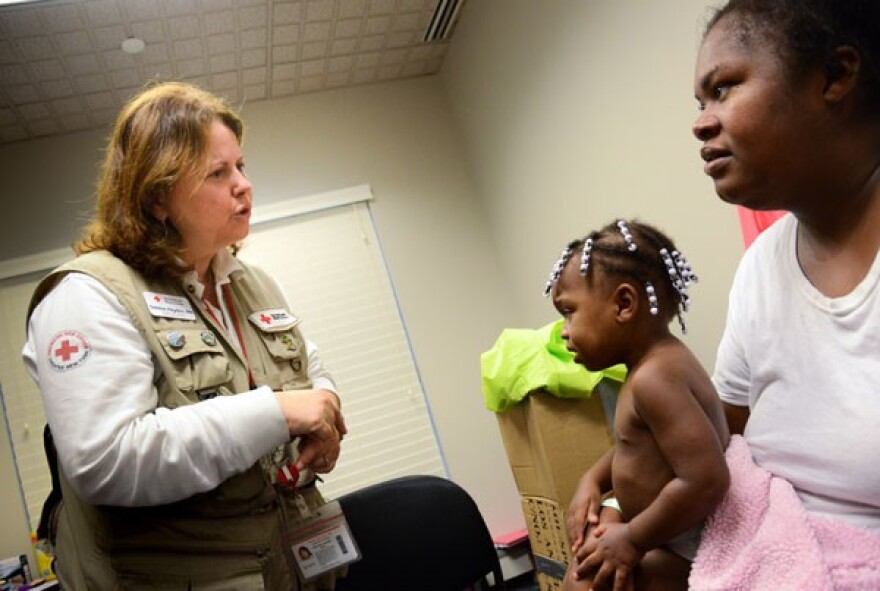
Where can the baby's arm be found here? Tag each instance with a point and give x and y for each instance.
(690, 445)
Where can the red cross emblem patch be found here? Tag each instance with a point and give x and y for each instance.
(68, 350)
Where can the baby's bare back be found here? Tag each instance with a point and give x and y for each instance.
(669, 423)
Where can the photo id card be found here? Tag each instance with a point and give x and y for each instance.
(322, 543)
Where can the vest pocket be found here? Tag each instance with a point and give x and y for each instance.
(199, 361)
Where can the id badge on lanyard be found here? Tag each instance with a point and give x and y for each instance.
(321, 542)
(318, 539)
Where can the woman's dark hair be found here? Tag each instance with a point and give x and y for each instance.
(807, 32)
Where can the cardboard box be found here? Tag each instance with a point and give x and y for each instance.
(550, 443)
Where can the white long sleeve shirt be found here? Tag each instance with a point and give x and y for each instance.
(115, 446)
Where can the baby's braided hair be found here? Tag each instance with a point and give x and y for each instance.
(640, 252)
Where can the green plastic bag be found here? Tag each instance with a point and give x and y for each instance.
(524, 360)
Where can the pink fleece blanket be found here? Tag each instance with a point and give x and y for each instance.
(760, 537)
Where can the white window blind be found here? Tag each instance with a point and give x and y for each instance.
(331, 267)
(332, 271)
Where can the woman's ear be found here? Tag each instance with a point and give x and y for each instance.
(157, 207)
(626, 302)
(842, 73)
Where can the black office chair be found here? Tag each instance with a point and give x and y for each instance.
(418, 533)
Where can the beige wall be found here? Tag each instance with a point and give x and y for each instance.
(576, 112)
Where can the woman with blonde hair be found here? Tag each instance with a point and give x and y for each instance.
(189, 414)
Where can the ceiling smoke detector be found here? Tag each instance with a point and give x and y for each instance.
(133, 45)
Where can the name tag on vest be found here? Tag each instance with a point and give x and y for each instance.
(162, 305)
(273, 320)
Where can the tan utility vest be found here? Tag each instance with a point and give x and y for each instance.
(229, 537)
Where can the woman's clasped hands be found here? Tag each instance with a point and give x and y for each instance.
(315, 417)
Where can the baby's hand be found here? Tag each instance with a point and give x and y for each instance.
(613, 558)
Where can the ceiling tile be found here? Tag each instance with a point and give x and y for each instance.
(140, 10)
(319, 10)
(13, 133)
(218, 44)
(109, 37)
(150, 31)
(100, 100)
(285, 34)
(283, 87)
(178, 7)
(190, 48)
(34, 111)
(222, 63)
(377, 25)
(382, 6)
(225, 80)
(67, 106)
(14, 74)
(55, 89)
(252, 17)
(191, 67)
(311, 83)
(371, 43)
(284, 72)
(115, 59)
(44, 127)
(253, 76)
(396, 40)
(154, 54)
(343, 46)
(253, 38)
(33, 48)
(338, 79)
(219, 22)
(100, 13)
(92, 83)
(7, 117)
(287, 13)
(363, 76)
(253, 57)
(183, 27)
(255, 91)
(317, 31)
(20, 22)
(74, 42)
(82, 64)
(76, 122)
(367, 60)
(216, 4)
(285, 54)
(311, 51)
(47, 70)
(348, 28)
(340, 64)
(351, 8)
(7, 56)
(63, 17)
(406, 22)
(388, 72)
(395, 56)
(127, 78)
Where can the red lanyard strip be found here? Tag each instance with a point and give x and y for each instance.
(233, 316)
